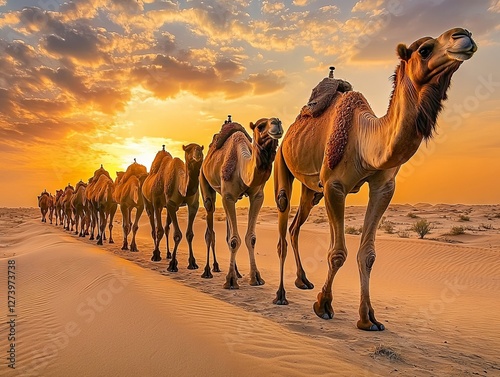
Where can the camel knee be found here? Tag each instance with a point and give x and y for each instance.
(177, 237)
(208, 204)
(337, 258)
(234, 243)
(135, 228)
(189, 236)
(282, 201)
(367, 259)
(251, 240)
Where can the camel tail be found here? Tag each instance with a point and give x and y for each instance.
(135, 194)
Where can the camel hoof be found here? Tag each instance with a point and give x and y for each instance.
(303, 283)
(133, 248)
(124, 247)
(280, 298)
(257, 280)
(231, 283)
(216, 267)
(323, 307)
(111, 241)
(99, 242)
(369, 326)
(172, 267)
(91, 238)
(156, 256)
(169, 255)
(207, 274)
(192, 265)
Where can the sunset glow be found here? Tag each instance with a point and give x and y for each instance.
(90, 82)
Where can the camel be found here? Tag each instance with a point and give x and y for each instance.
(154, 202)
(52, 206)
(335, 153)
(236, 166)
(103, 205)
(66, 207)
(78, 206)
(89, 193)
(44, 204)
(128, 194)
(58, 206)
(175, 184)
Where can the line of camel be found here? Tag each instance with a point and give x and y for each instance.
(335, 145)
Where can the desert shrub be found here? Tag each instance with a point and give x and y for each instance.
(412, 215)
(388, 227)
(387, 352)
(464, 218)
(422, 227)
(485, 226)
(456, 230)
(320, 220)
(353, 230)
(403, 234)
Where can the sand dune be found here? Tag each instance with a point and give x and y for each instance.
(90, 311)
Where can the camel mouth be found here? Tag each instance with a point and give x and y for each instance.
(276, 135)
(463, 47)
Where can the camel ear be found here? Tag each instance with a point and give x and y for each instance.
(252, 125)
(403, 52)
(184, 148)
(202, 147)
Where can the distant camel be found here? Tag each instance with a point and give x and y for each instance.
(336, 152)
(66, 207)
(234, 167)
(52, 206)
(78, 206)
(58, 206)
(129, 196)
(104, 205)
(44, 203)
(89, 192)
(155, 201)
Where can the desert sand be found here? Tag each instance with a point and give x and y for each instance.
(84, 310)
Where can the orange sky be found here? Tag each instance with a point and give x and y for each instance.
(105, 81)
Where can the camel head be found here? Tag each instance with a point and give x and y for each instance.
(425, 72)
(265, 129)
(429, 59)
(119, 176)
(193, 154)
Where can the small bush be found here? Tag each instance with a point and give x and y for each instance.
(463, 218)
(422, 228)
(320, 220)
(403, 234)
(412, 215)
(353, 230)
(456, 230)
(485, 226)
(388, 227)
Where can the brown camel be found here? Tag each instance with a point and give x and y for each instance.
(44, 204)
(52, 206)
(58, 206)
(89, 192)
(373, 151)
(66, 207)
(78, 206)
(103, 205)
(235, 167)
(128, 194)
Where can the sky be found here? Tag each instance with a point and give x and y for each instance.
(90, 82)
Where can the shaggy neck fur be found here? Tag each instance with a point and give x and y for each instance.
(260, 164)
(411, 117)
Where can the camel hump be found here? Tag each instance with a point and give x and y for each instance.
(226, 131)
(135, 170)
(324, 95)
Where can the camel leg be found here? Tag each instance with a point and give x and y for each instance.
(135, 227)
(168, 221)
(102, 226)
(51, 214)
(112, 213)
(307, 200)
(193, 206)
(159, 233)
(228, 232)
(125, 227)
(283, 180)
(172, 212)
(209, 196)
(381, 191)
(77, 221)
(335, 194)
(233, 240)
(93, 223)
(151, 216)
(256, 201)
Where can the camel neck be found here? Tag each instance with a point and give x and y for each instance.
(393, 139)
(192, 174)
(259, 164)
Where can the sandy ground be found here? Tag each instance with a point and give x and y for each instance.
(84, 310)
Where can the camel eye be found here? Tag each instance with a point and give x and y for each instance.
(425, 52)
(261, 127)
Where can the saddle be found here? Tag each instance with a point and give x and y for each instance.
(323, 95)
